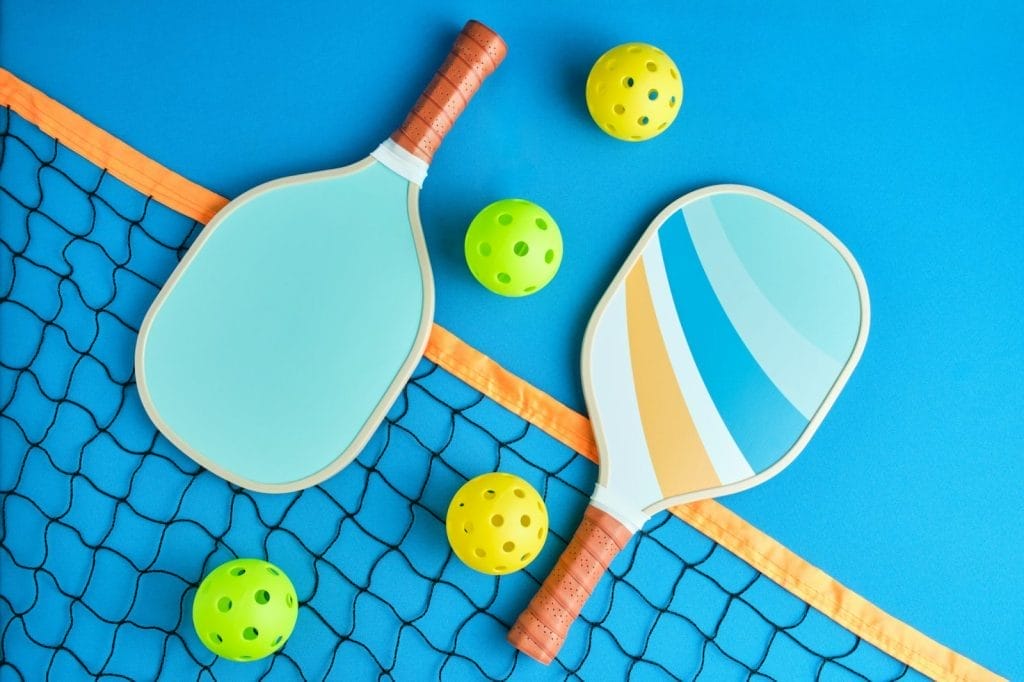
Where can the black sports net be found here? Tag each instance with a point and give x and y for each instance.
(107, 529)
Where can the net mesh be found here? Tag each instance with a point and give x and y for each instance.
(107, 529)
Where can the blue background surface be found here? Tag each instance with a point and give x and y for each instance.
(897, 127)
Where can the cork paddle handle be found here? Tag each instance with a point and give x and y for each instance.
(541, 629)
(476, 54)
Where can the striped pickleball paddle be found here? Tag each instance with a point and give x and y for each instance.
(707, 366)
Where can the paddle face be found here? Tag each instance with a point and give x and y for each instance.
(718, 349)
(289, 328)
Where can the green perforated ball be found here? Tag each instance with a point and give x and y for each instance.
(513, 247)
(245, 609)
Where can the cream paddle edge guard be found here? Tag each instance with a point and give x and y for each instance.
(672, 426)
(288, 405)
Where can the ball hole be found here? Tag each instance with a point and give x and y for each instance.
(504, 277)
(635, 49)
(509, 546)
(521, 248)
(672, 72)
(273, 571)
(262, 596)
(672, 101)
(501, 569)
(505, 219)
(277, 640)
(497, 520)
(223, 604)
(488, 494)
(643, 120)
(529, 290)
(540, 532)
(652, 94)
(250, 633)
(541, 223)
(628, 81)
(525, 557)
(462, 504)
(519, 492)
(245, 658)
(635, 137)
(610, 127)
(216, 638)
(480, 552)
(484, 249)
(237, 571)
(662, 126)
(525, 520)
(549, 256)
(289, 600)
(652, 67)
(619, 109)
(468, 528)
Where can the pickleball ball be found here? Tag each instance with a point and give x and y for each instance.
(634, 92)
(497, 523)
(245, 609)
(513, 247)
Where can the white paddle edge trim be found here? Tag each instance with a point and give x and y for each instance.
(387, 399)
(607, 500)
(402, 162)
(619, 507)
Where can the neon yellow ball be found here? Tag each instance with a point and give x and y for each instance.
(634, 92)
(497, 523)
(245, 609)
(513, 247)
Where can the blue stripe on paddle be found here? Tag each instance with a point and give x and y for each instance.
(764, 424)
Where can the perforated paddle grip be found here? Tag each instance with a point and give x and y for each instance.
(541, 629)
(476, 54)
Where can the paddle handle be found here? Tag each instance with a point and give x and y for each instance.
(476, 54)
(541, 629)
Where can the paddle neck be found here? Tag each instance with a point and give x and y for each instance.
(477, 52)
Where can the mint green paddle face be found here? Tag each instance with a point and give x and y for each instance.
(286, 333)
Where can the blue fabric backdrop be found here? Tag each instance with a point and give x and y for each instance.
(899, 127)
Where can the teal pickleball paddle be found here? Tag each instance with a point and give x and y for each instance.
(290, 327)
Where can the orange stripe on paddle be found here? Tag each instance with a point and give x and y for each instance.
(680, 461)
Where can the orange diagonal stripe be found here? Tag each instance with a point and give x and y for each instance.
(106, 151)
(680, 461)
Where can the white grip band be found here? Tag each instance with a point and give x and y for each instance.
(623, 509)
(410, 167)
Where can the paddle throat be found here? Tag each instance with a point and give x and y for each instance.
(619, 506)
(402, 162)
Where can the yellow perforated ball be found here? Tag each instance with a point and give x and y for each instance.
(634, 92)
(497, 523)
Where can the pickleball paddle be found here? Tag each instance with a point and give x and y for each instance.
(291, 325)
(707, 366)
